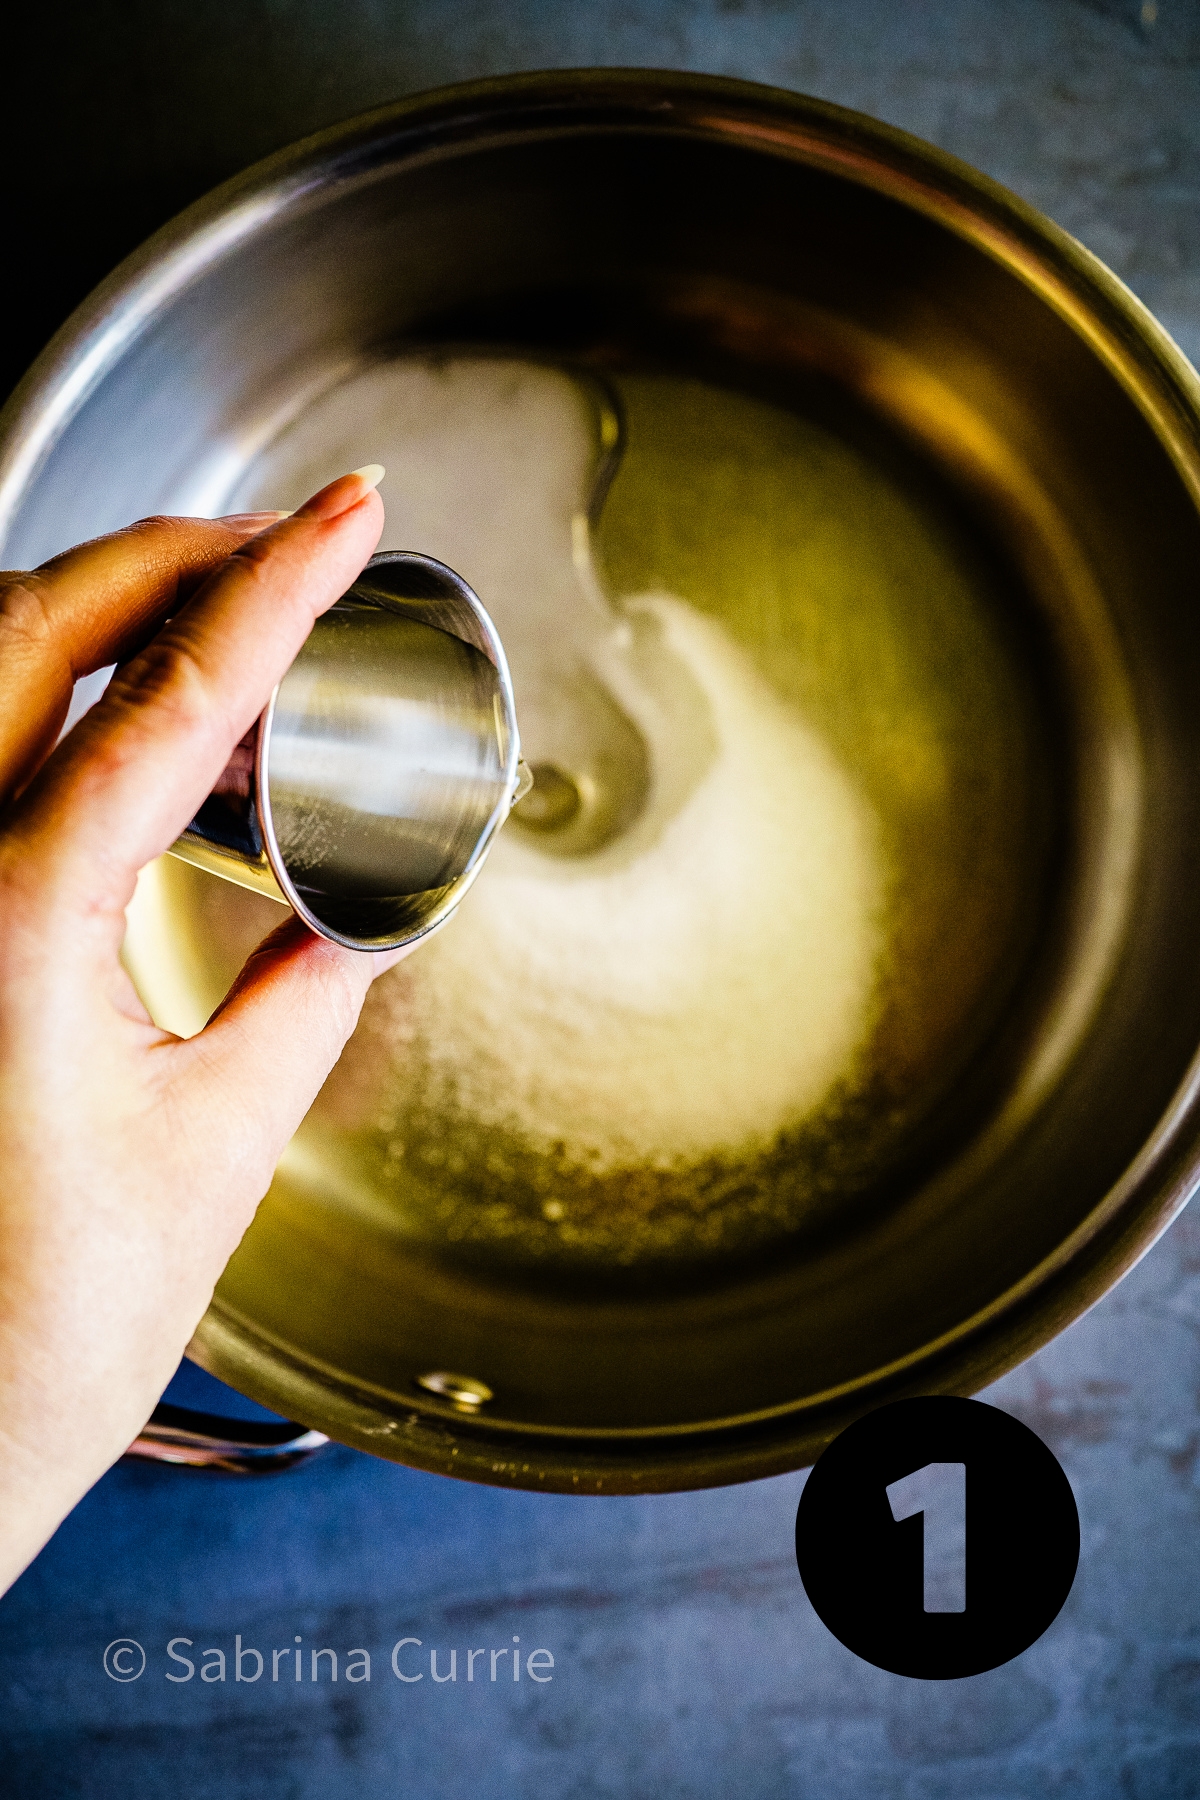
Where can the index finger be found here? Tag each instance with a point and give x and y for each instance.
(87, 608)
(121, 788)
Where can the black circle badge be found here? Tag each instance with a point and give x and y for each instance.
(937, 1537)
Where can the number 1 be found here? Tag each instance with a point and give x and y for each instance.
(939, 1492)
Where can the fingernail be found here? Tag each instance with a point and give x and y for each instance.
(252, 521)
(340, 495)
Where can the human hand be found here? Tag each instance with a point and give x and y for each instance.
(132, 1161)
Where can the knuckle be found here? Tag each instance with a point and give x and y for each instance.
(286, 571)
(258, 563)
(178, 545)
(14, 881)
(156, 526)
(340, 988)
(155, 547)
(31, 905)
(167, 677)
(24, 609)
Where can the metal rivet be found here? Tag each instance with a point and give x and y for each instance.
(462, 1391)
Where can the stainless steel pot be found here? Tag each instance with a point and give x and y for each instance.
(773, 245)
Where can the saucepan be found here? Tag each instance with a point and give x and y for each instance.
(823, 1027)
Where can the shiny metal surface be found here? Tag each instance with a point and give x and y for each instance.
(786, 251)
(196, 1440)
(386, 760)
(463, 1391)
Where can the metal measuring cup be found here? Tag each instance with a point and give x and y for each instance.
(368, 792)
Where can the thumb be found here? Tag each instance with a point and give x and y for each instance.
(282, 1026)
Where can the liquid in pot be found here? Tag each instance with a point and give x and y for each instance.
(792, 838)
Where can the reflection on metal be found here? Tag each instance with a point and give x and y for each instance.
(369, 791)
(463, 1391)
(197, 1440)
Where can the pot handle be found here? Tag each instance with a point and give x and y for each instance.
(198, 1440)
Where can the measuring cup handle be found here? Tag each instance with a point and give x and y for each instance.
(197, 1440)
